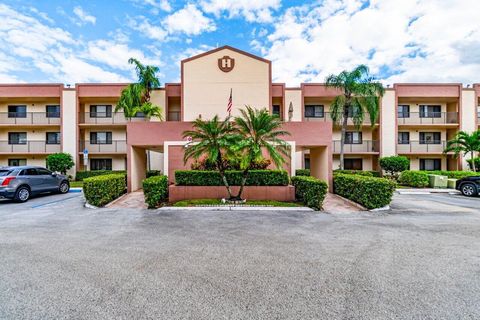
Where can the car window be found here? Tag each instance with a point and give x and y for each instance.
(43, 172)
(4, 173)
(29, 172)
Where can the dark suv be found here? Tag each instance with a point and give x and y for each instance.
(20, 183)
(469, 186)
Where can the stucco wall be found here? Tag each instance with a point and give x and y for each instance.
(206, 89)
(31, 160)
(295, 97)
(69, 125)
(388, 124)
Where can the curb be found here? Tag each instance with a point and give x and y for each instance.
(353, 203)
(386, 208)
(89, 206)
(427, 191)
(238, 208)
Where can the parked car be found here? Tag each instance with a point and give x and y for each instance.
(469, 186)
(20, 183)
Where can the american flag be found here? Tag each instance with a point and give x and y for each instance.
(229, 105)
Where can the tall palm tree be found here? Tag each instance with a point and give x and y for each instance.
(465, 143)
(147, 77)
(360, 95)
(149, 110)
(211, 139)
(130, 100)
(258, 130)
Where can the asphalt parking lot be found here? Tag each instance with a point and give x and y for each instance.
(421, 260)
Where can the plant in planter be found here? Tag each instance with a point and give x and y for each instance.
(394, 165)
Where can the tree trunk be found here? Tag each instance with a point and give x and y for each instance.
(244, 181)
(473, 162)
(221, 171)
(342, 138)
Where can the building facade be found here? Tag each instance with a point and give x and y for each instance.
(416, 120)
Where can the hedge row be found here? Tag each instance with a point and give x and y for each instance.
(155, 190)
(358, 172)
(104, 189)
(310, 191)
(153, 173)
(302, 172)
(415, 179)
(95, 173)
(370, 192)
(234, 178)
(454, 174)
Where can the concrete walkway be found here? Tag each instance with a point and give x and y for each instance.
(336, 204)
(133, 200)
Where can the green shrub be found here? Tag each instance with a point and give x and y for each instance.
(394, 164)
(101, 190)
(356, 172)
(60, 162)
(229, 164)
(477, 163)
(153, 173)
(234, 178)
(370, 192)
(416, 179)
(310, 191)
(302, 172)
(155, 190)
(87, 174)
(455, 174)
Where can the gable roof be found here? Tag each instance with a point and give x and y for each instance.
(229, 48)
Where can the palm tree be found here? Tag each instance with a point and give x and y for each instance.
(258, 130)
(212, 139)
(149, 110)
(146, 77)
(360, 95)
(465, 143)
(130, 100)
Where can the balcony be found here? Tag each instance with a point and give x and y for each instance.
(427, 118)
(105, 118)
(30, 118)
(114, 146)
(421, 147)
(366, 146)
(325, 116)
(29, 147)
(478, 118)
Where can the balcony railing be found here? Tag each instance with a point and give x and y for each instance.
(478, 117)
(364, 146)
(30, 118)
(114, 146)
(105, 118)
(29, 147)
(173, 116)
(421, 147)
(325, 116)
(408, 118)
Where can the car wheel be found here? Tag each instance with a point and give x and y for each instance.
(469, 190)
(64, 187)
(22, 194)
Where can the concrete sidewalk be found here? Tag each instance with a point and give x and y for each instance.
(427, 191)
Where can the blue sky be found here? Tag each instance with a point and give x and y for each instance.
(90, 41)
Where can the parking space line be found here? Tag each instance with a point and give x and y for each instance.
(52, 202)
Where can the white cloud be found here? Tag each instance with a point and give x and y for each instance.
(251, 10)
(83, 17)
(189, 20)
(163, 5)
(409, 40)
(147, 29)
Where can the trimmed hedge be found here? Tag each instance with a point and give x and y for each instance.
(104, 189)
(356, 172)
(370, 192)
(153, 173)
(477, 163)
(416, 179)
(455, 174)
(302, 172)
(310, 191)
(234, 178)
(155, 190)
(95, 173)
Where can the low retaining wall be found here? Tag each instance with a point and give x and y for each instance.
(277, 193)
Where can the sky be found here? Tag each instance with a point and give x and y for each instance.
(72, 42)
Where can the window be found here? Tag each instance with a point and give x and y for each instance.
(353, 137)
(29, 172)
(353, 164)
(5, 172)
(404, 138)
(276, 110)
(17, 162)
(100, 111)
(307, 161)
(314, 111)
(100, 138)
(17, 111)
(53, 111)
(17, 138)
(353, 111)
(43, 172)
(430, 164)
(100, 164)
(430, 138)
(429, 111)
(404, 111)
(53, 138)
(478, 112)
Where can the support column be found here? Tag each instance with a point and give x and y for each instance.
(321, 165)
(136, 167)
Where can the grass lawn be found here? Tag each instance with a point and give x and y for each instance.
(76, 184)
(215, 202)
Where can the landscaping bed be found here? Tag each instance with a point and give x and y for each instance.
(249, 203)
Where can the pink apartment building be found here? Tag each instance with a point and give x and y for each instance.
(415, 120)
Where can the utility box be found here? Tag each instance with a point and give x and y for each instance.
(438, 182)
(452, 183)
